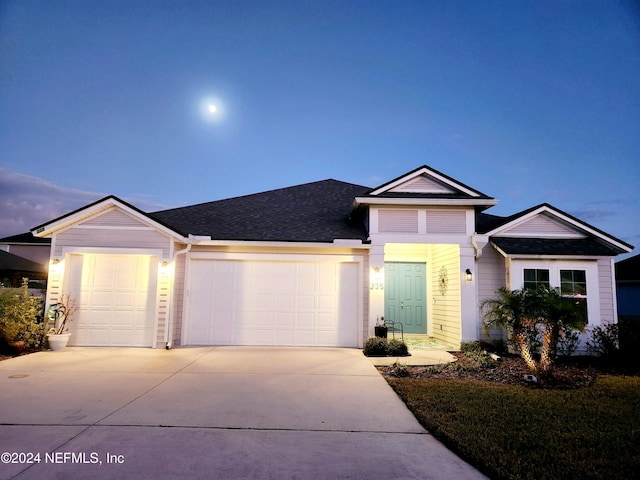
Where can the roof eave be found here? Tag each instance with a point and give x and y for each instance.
(416, 201)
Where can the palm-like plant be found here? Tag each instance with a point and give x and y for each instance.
(540, 311)
(560, 314)
(516, 311)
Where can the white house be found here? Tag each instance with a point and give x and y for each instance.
(316, 264)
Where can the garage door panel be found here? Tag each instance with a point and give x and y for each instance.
(116, 296)
(272, 303)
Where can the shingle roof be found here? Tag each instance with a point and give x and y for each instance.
(25, 238)
(312, 212)
(553, 246)
(9, 261)
(628, 269)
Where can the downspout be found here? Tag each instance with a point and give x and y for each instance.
(474, 242)
(184, 251)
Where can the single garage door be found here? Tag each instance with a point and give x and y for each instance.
(240, 302)
(116, 295)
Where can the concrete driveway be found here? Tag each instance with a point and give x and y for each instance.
(210, 412)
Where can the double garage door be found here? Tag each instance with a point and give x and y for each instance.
(116, 296)
(253, 302)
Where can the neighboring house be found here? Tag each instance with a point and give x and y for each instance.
(628, 286)
(14, 268)
(27, 246)
(24, 256)
(316, 264)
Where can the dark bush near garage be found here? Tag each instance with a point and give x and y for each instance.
(381, 347)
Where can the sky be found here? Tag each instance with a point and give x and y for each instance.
(527, 101)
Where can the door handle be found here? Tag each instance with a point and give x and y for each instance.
(401, 305)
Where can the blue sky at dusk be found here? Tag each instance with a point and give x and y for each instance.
(526, 101)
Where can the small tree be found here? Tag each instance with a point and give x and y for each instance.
(531, 313)
(516, 312)
(559, 316)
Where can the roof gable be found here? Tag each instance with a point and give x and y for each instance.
(426, 180)
(426, 186)
(545, 230)
(109, 211)
(542, 224)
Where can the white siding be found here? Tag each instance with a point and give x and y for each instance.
(112, 238)
(422, 184)
(491, 277)
(113, 218)
(607, 295)
(542, 225)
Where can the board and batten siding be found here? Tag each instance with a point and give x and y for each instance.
(445, 308)
(179, 288)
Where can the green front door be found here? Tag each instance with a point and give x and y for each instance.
(405, 294)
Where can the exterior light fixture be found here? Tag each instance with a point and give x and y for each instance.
(56, 261)
(164, 268)
(377, 279)
(469, 275)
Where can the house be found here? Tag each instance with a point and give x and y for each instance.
(24, 256)
(316, 264)
(27, 246)
(628, 287)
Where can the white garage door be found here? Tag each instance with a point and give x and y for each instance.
(117, 298)
(234, 302)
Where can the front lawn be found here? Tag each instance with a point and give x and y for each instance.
(518, 432)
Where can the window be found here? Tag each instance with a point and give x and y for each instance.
(534, 277)
(573, 283)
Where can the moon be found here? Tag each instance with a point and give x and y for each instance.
(212, 108)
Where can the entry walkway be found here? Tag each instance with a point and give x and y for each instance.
(424, 351)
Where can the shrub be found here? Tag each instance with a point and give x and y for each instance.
(568, 343)
(21, 317)
(375, 347)
(604, 342)
(398, 370)
(396, 347)
(381, 347)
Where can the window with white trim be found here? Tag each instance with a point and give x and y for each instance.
(573, 283)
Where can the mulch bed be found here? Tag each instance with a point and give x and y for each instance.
(510, 370)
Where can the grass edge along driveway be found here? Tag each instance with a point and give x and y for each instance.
(511, 432)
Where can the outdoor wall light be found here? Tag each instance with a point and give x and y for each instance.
(55, 261)
(377, 279)
(469, 275)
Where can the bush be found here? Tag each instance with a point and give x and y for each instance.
(604, 342)
(397, 347)
(21, 317)
(376, 347)
(381, 347)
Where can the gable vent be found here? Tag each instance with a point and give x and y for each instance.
(422, 184)
(398, 221)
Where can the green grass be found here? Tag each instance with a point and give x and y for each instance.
(511, 432)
